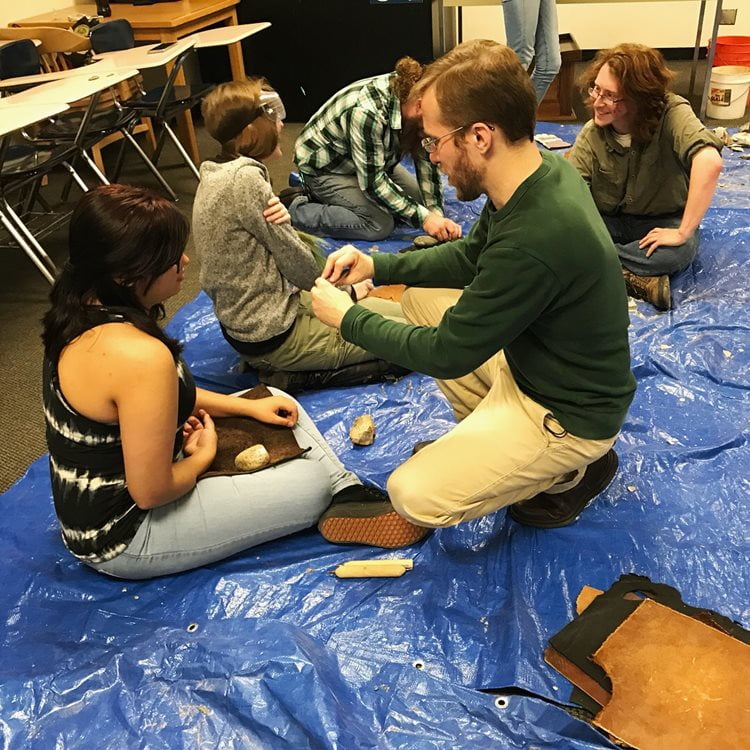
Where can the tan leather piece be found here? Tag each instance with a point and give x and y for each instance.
(677, 683)
(585, 597)
(388, 291)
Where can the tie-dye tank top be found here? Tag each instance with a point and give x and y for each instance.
(97, 515)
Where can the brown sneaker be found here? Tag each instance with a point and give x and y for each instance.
(653, 289)
(364, 515)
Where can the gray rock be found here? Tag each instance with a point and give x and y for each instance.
(425, 240)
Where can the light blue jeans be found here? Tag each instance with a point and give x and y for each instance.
(627, 231)
(338, 208)
(531, 32)
(222, 516)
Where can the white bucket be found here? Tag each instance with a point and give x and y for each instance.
(728, 92)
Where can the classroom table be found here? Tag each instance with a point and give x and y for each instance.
(446, 32)
(163, 22)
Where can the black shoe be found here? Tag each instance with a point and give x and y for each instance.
(364, 515)
(287, 195)
(546, 511)
(364, 373)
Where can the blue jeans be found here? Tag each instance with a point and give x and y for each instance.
(531, 32)
(337, 207)
(627, 231)
(225, 515)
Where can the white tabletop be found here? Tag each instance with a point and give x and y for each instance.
(72, 89)
(84, 70)
(140, 57)
(223, 35)
(17, 116)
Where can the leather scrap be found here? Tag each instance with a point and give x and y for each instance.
(235, 434)
(584, 635)
(677, 683)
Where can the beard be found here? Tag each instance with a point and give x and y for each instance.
(410, 138)
(466, 179)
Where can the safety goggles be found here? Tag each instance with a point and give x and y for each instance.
(272, 106)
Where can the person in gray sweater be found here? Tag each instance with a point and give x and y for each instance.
(256, 268)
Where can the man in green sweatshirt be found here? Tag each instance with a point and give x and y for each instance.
(523, 322)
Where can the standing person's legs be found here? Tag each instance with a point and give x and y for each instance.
(628, 231)
(337, 207)
(509, 449)
(520, 19)
(225, 515)
(547, 58)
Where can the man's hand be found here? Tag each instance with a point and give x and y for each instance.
(348, 265)
(328, 303)
(662, 237)
(276, 212)
(441, 228)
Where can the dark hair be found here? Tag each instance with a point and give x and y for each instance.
(644, 77)
(118, 235)
(408, 71)
(233, 116)
(490, 86)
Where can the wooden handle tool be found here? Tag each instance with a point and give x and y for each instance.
(373, 568)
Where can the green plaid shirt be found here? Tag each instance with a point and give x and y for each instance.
(357, 132)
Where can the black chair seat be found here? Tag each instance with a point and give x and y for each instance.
(182, 97)
(102, 123)
(35, 162)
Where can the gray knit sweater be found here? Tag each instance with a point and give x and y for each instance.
(251, 270)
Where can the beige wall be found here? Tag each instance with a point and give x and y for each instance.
(598, 25)
(10, 10)
(665, 24)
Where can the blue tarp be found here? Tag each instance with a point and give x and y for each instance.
(269, 650)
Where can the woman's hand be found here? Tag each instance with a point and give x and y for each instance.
(278, 410)
(199, 435)
(276, 212)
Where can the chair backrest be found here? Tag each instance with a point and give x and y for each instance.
(112, 36)
(166, 93)
(19, 58)
(55, 44)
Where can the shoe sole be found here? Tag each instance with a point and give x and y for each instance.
(357, 523)
(517, 514)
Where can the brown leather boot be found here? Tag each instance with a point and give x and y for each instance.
(653, 289)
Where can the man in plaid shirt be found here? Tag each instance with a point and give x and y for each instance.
(348, 155)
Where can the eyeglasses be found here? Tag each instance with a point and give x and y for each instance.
(430, 144)
(272, 106)
(607, 96)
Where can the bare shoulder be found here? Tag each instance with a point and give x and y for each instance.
(113, 353)
(110, 360)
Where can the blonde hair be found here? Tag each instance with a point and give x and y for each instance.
(489, 86)
(460, 53)
(233, 116)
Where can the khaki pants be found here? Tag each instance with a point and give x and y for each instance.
(312, 345)
(505, 448)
